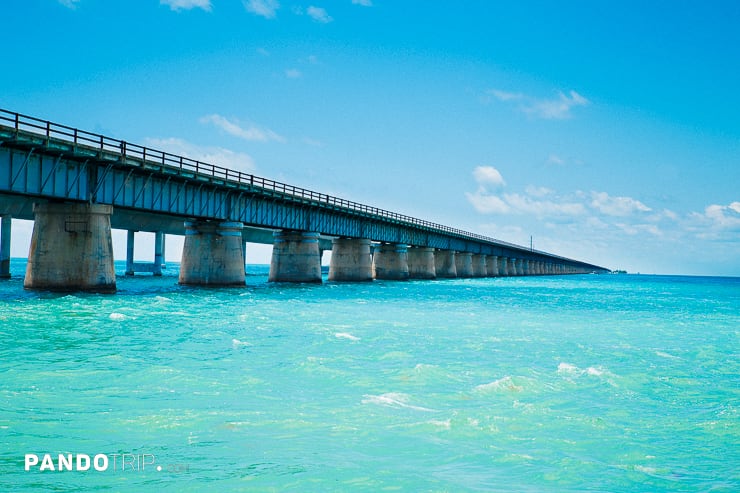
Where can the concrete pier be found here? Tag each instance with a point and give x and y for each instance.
(212, 254)
(511, 267)
(391, 262)
(421, 263)
(479, 265)
(5, 228)
(71, 248)
(444, 264)
(295, 257)
(492, 265)
(351, 260)
(156, 267)
(464, 264)
(525, 268)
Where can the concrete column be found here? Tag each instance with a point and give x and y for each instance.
(421, 263)
(351, 260)
(444, 264)
(479, 265)
(511, 267)
(244, 255)
(295, 257)
(130, 234)
(71, 248)
(158, 253)
(391, 262)
(212, 254)
(540, 268)
(492, 265)
(503, 266)
(464, 264)
(519, 267)
(5, 228)
(525, 268)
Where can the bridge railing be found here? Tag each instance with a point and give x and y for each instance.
(110, 148)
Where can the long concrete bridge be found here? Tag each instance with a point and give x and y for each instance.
(77, 185)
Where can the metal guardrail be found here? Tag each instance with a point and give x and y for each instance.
(127, 150)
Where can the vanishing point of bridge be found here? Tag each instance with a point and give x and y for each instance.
(77, 185)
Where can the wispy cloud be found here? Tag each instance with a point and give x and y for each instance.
(70, 4)
(319, 14)
(616, 206)
(265, 8)
(218, 156)
(293, 73)
(364, 3)
(716, 221)
(187, 4)
(558, 108)
(250, 133)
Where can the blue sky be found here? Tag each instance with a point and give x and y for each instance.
(607, 131)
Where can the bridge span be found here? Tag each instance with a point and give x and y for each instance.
(77, 185)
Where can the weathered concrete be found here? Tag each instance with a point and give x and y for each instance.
(391, 262)
(295, 257)
(71, 248)
(525, 268)
(444, 264)
(212, 254)
(518, 267)
(503, 266)
(478, 262)
(464, 264)
(421, 263)
(512, 267)
(351, 260)
(492, 265)
(5, 229)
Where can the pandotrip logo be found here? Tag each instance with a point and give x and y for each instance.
(118, 463)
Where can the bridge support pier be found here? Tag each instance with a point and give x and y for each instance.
(464, 264)
(492, 266)
(5, 227)
(212, 254)
(444, 264)
(421, 263)
(479, 265)
(351, 260)
(71, 248)
(295, 257)
(156, 267)
(391, 262)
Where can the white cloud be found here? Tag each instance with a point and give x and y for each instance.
(293, 73)
(364, 3)
(521, 204)
(187, 4)
(251, 133)
(70, 4)
(720, 217)
(218, 156)
(616, 206)
(555, 109)
(486, 203)
(488, 175)
(538, 191)
(319, 14)
(265, 8)
(548, 109)
(554, 159)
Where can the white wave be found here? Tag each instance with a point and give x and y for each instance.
(393, 399)
(596, 372)
(440, 424)
(568, 368)
(117, 316)
(505, 383)
(237, 343)
(666, 355)
(163, 299)
(346, 335)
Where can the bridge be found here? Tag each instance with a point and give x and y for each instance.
(77, 185)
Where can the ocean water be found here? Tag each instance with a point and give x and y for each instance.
(610, 383)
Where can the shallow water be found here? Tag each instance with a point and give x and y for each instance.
(566, 383)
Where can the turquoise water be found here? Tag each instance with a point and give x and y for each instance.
(581, 383)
